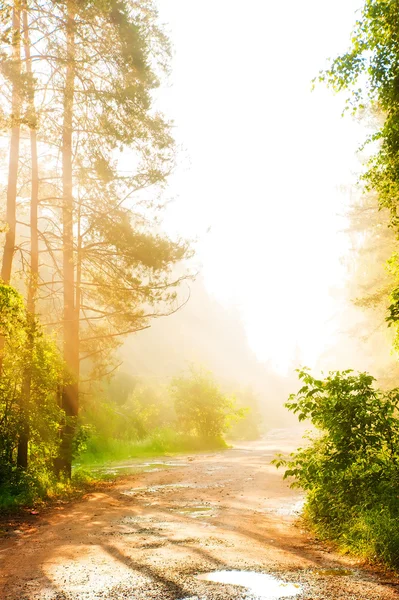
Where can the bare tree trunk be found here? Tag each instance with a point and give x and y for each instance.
(78, 296)
(34, 203)
(11, 216)
(23, 442)
(9, 247)
(70, 392)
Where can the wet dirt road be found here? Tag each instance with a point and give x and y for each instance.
(156, 530)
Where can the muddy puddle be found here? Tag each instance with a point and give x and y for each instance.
(139, 467)
(257, 586)
(196, 511)
(152, 489)
(286, 510)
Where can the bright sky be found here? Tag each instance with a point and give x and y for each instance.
(267, 161)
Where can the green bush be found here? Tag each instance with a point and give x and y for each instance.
(202, 409)
(350, 469)
(31, 374)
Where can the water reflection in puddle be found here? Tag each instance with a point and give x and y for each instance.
(142, 467)
(288, 510)
(259, 585)
(157, 488)
(195, 511)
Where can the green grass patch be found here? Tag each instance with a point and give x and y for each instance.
(101, 450)
(40, 487)
(371, 533)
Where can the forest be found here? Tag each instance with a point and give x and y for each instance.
(85, 259)
(117, 347)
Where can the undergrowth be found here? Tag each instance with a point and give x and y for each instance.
(163, 441)
(350, 469)
(38, 487)
(33, 489)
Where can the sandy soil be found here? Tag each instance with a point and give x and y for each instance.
(150, 535)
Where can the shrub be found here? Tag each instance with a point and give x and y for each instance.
(350, 469)
(201, 407)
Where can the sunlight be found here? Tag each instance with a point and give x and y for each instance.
(266, 252)
(80, 568)
(199, 299)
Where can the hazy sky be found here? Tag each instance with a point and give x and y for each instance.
(265, 160)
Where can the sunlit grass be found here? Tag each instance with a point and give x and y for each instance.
(102, 450)
(36, 488)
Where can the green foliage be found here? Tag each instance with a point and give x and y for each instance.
(351, 469)
(133, 419)
(201, 408)
(370, 71)
(26, 351)
(249, 427)
(165, 440)
(127, 410)
(147, 409)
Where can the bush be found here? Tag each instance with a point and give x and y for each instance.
(31, 373)
(350, 470)
(250, 427)
(201, 408)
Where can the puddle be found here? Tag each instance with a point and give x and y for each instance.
(151, 522)
(333, 572)
(216, 468)
(288, 510)
(138, 519)
(162, 465)
(152, 489)
(142, 467)
(259, 585)
(195, 511)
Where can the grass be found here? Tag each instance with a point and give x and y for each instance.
(373, 535)
(40, 487)
(36, 489)
(370, 532)
(165, 441)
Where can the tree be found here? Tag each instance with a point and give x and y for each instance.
(369, 70)
(106, 267)
(250, 426)
(201, 407)
(42, 414)
(33, 275)
(12, 71)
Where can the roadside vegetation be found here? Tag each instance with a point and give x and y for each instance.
(349, 468)
(189, 414)
(127, 419)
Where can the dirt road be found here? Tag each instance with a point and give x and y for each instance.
(158, 529)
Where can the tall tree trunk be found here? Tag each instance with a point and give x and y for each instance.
(11, 213)
(23, 442)
(70, 392)
(78, 295)
(34, 203)
(9, 247)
